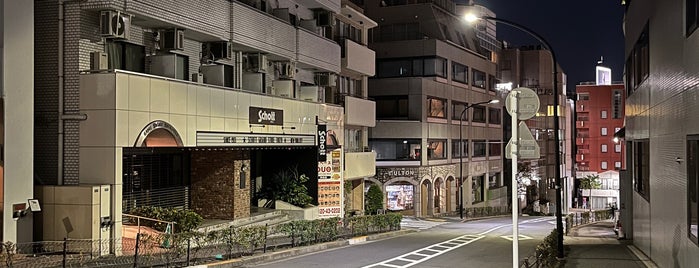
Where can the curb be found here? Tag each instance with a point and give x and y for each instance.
(278, 255)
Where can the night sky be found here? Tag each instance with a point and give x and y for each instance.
(579, 32)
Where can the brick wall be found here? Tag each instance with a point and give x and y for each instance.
(215, 191)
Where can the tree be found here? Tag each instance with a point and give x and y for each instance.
(590, 182)
(374, 199)
(286, 185)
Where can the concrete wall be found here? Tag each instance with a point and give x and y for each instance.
(18, 96)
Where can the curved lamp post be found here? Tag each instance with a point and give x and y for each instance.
(556, 127)
(461, 153)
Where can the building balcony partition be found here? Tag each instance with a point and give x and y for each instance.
(579, 157)
(359, 164)
(253, 29)
(357, 57)
(359, 112)
(317, 52)
(580, 141)
(582, 124)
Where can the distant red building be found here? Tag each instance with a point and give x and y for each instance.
(599, 114)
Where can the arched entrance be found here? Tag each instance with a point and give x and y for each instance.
(439, 196)
(158, 134)
(450, 189)
(427, 199)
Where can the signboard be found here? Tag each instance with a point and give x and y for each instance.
(330, 188)
(527, 103)
(399, 197)
(266, 116)
(503, 86)
(225, 139)
(603, 75)
(527, 148)
(321, 135)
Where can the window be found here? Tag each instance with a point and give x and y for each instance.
(494, 148)
(616, 104)
(436, 149)
(478, 114)
(692, 14)
(457, 108)
(455, 152)
(617, 165)
(641, 169)
(494, 181)
(479, 148)
(494, 116)
(604, 148)
(492, 81)
(349, 86)
(434, 66)
(478, 79)
(583, 96)
(638, 62)
(436, 107)
(604, 114)
(693, 188)
(395, 32)
(617, 148)
(353, 140)
(391, 107)
(477, 189)
(604, 131)
(445, 30)
(396, 149)
(603, 165)
(128, 56)
(459, 73)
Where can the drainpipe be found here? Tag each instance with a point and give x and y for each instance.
(61, 74)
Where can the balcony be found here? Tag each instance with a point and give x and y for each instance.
(360, 112)
(357, 57)
(582, 124)
(580, 141)
(317, 52)
(579, 158)
(256, 30)
(331, 5)
(359, 164)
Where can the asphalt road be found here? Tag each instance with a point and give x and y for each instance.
(481, 243)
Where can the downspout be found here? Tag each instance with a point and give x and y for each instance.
(61, 74)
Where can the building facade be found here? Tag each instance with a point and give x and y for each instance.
(660, 131)
(599, 114)
(530, 66)
(196, 104)
(428, 71)
(16, 120)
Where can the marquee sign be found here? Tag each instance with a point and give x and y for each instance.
(227, 139)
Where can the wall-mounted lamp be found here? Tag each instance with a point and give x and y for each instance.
(243, 169)
(679, 160)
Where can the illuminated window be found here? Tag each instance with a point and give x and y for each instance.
(604, 131)
(604, 148)
(479, 78)
(603, 165)
(436, 107)
(604, 114)
(436, 149)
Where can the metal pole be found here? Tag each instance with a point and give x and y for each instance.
(461, 163)
(556, 127)
(515, 200)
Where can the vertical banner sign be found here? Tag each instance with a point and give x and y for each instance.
(330, 188)
(321, 137)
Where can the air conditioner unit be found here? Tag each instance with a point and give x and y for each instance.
(172, 39)
(324, 18)
(287, 70)
(198, 78)
(218, 74)
(114, 24)
(256, 63)
(326, 79)
(219, 50)
(98, 61)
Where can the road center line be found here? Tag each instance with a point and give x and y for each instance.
(470, 239)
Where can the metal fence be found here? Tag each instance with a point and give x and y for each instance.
(184, 249)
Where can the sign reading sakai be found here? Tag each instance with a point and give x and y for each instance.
(266, 116)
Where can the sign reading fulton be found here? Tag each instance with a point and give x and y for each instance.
(266, 116)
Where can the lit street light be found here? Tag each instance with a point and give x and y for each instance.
(461, 153)
(557, 169)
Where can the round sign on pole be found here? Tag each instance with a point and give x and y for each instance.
(527, 102)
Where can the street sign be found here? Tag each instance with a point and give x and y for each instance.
(527, 103)
(527, 147)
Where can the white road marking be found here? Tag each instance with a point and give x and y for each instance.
(521, 237)
(459, 242)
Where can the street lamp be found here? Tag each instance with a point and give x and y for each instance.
(557, 170)
(461, 153)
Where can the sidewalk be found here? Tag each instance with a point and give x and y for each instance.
(595, 245)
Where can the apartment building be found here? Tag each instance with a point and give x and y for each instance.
(16, 120)
(661, 133)
(531, 67)
(194, 104)
(430, 67)
(599, 114)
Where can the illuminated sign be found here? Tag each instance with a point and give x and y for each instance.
(265, 116)
(603, 75)
(225, 139)
(504, 86)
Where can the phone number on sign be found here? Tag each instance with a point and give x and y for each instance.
(322, 211)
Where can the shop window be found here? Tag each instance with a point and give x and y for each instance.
(436, 107)
(399, 197)
(693, 188)
(436, 149)
(479, 148)
(477, 189)
(479, 78)
(494, 116)
(391, 107)
(459, 72)
(396, 149)
(641, 168)
(494, 148)
(126, 56)
(457, 150)
(478, 114)
(457, 108)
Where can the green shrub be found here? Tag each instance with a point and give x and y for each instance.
(185, 220)
(374, 199)
(546, 252)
